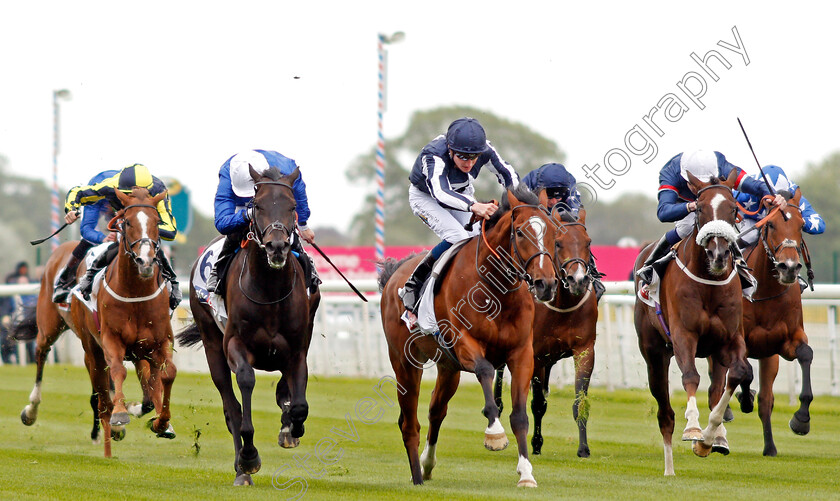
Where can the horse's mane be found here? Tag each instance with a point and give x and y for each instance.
(273, 173)
(522, 193)
(389, 266)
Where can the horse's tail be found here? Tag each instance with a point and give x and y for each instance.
(24, 324)
(389, 266)
(189, 335)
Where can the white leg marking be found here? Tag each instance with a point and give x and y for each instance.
(525, 470)
(495, 428)
(692, 414)
(669, 461)
(428, 460)
(716, 417)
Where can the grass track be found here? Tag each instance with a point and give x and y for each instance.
(54, 459)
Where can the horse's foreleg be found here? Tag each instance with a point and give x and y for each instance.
(114, 351)
(498, 383)
(685, 349)
(165, 375)
(446, 384)
(538, 405)
(740, 372)
(658, 361)
(220, 374)
(249, 459)
(584, 363)
(800, 423)
(717, 378)
(299, 408)
(768, 369)
(495, 438)
(521, 364)
(283, 397)
(146, 378)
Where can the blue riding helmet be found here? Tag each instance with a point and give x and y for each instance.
(466, 135)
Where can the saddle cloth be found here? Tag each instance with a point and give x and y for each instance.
(206, 261)
(426, 320)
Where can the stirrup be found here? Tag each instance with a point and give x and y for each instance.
(60, 295)
(409, 318)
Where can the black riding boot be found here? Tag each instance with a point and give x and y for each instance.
(225, 255)
(169, 274)
(659, 251)
(65, 280)
(596, 278)
(411, 290)
(311, 279)
(101, 261)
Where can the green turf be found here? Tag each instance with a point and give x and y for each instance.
(54, 459)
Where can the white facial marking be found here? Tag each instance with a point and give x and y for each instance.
(715, 203)
(145, 247)
(538, 226)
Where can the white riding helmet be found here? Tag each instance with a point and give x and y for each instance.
(240, 175)
(702, 164)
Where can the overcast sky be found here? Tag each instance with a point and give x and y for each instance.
(182, 86)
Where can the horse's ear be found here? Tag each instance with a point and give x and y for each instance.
(294, 175)
(254, 174)
(544, 199)
(512, 200)
(732, 179)
(694, 184)
(157, 198)
(796, 198)
(582, 216)
(122, 197)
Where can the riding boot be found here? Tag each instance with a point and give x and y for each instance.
(101, 261)
(645, 273)
(748, 282)
(65, 280)
(310, 274)
(410, 293)
(214, 284)
(170, 275)
(596, 279)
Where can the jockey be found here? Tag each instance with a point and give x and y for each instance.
(814, 223)
(91, 236)
(677, 202)
(560, 188)
(441, 193)
(235, 192)
(124, 180)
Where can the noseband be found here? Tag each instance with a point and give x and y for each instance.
(561, 268)
(255, 233)
(717, 227)
(129, 246)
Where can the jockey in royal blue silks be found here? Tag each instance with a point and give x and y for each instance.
(814, 223)
(102, 192)
(441, 192)
(677, 203)
(561, 188)
(233, 195)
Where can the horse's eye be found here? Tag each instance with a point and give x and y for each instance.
(769, 225)
(293, 209)
(519, 233)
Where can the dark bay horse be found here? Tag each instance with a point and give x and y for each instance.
(484, 312)
(49, 320)
(269, 326)
(773, 323)
(701, 308)
(564, 327)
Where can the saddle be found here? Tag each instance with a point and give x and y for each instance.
(426, 320)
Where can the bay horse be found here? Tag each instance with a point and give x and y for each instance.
(269, 325)
(485, 316)
(773, 323)
(701, 309)
(564, 327)
(123, 315)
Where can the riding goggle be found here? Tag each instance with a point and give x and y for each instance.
(467, 156)
(560, 193)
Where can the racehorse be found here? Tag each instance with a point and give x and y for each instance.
(700, 297)
(269, 325)
(773, 322)
(134, 328)
(484, 313)
(564, 327)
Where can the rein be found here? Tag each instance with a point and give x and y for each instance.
(263, 303)
(254, 232)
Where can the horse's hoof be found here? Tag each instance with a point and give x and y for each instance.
(169, 432)
(701, 449)
(583, 452)
(528, 482)
(243, 479)
(120, 419)
(117, 433)
(799, 427)
(692, 434)
(495, 441)
(728, 416)
(249, 466)
(287, 441)
(770, 451)
(27, 420)
(747, 401)
(721, 445)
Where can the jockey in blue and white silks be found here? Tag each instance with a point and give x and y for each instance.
(233, 194)
(677, 203)
(814, 223)
(441, 191)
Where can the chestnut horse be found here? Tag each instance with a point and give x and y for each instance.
(700, 296)
(269, 325)
(132, 324)
(564, 327)
(773, 322)
(484, 312)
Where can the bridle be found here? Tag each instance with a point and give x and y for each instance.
(254, 232)
(561, 267)
(122, 222)
(722, 231)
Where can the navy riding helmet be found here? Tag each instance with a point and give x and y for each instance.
(466, 135)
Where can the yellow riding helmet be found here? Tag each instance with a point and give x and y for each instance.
(135, 175)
